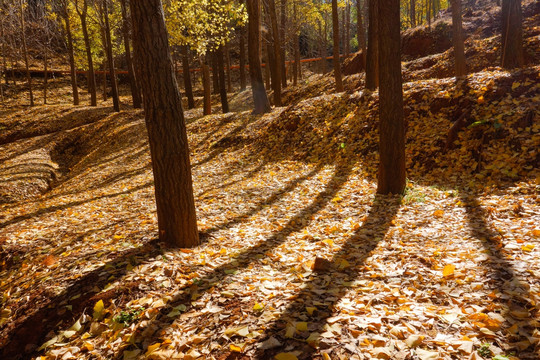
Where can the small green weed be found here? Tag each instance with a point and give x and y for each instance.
(128, 317)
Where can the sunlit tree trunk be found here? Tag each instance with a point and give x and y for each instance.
(391, 176)
(360, 31)
(337, 63)
(412, 13)
(241, 34)
(283, 41)
(372, 56)
(228, 67)
(512, 34)
(260, 99)
(65, 15)
(276, 85)
(222, 81)
(207, 99)
(164, 117)
(296, 65)
(457, 38)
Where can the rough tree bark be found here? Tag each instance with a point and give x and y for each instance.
(83, 13)
(372, 55)
(276, 85)
(412, 13)
(222, 81)
(296, 65)
(457, 38)
(283, 37)
(164, 117)
(360, 31)
(337, 63)
(512, 34)
(260, 98)
(207, 98)
(242, 36)
(391, 176)
(135, 90)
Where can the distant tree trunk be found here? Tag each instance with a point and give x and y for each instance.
(391, 176)
(187, 77)
(110, 58)
(283, 41)
(25, 53)
(428, 13)
(215, 75)
(90, 75)
(266, 66)
(4, 53)
(164, 117)
(45, 76)
(337, 64)
(347, 28)
(207, 99)
(372, 56)
(296, 64)
(135, 90)
(457, 38)
(512, 34)
(69, 37)
(228, 67)
(322, 44)
(412, 13)
(241, 34)
(222, 81)
(360, 31)
(276, 85)
(272, 66)
(260, 99)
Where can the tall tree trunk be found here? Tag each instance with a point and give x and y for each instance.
(322, 44)
(360, 31)
(276, 85)
(25, 53)
(412, 13)
(228, 67)
(187, 77)
(215, 75)
(283, 41)
(110, 59)
(45, 75)
(428, 13)
(4, 53)
(337, 63)
(347, 29)
(512, 34)
(69, 37)
(207, 99)
(222, 81)
(260, 99)
(391, 176)
(91, 74)
(266, 66)
(241, 34)
(164, 117)
(296, 40)
(272, 66)
(457, 38)
(372, 56)
(135, 90)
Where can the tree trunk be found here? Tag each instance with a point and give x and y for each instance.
(372, 56)
(164, 117)
(222, 81)
(296, 65)
(512, 34)
(187, 77)
(241, 34)
(276, 85)
(110, 59)
(283, 36)
(322, 35)
(260, 99)
(412, 13)
(69, 37)
(347, 29)
(360, 31)
(207, 99)
(25, 53)
(272, 66)
(391, 176)
(337, 63)
(215, 75)
(45, 76)
(266, 66)
(228, 67)
(428, 13)
(457, 38)
(91, 74)
(4, 54)
(135, 90)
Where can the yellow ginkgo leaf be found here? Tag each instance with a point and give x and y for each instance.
(310, 309)
(448, 270)
(98, 309)
(527, 247)
(301, 326)
(235, 348)
(152, 348)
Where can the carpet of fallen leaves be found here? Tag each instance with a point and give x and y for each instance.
(300, 258)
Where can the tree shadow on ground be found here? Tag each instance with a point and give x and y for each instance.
(43, 314)
(300, 220)
(329, 284)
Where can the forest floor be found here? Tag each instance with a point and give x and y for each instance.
(300, 259)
